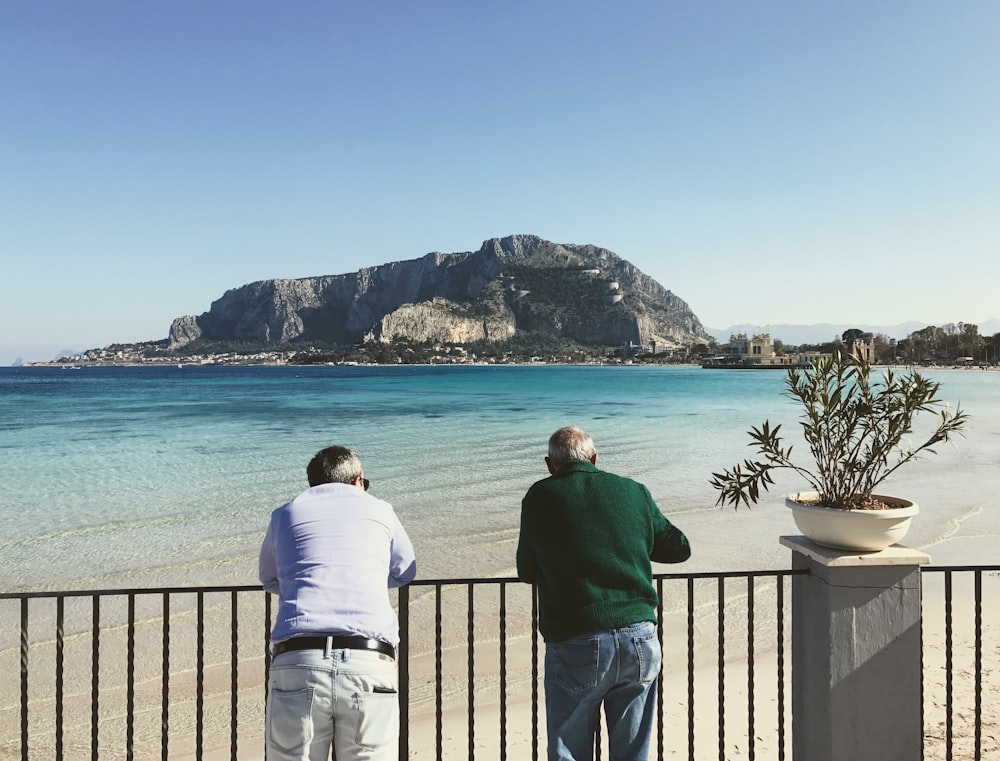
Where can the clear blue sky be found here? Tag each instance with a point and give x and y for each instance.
(768, 162)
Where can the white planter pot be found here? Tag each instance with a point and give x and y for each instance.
(856, 530)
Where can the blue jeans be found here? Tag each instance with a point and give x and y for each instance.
(348, 698)
(618, 668)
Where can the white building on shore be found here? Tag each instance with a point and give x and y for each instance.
(757, 353)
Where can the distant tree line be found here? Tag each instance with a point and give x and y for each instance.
(523, 347)
(945, 345)
(933, 345)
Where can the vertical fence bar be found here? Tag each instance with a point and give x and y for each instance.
(471, 644)
(780, 613)
(165, 685)
(660, 682)
(268, 617)
(690, 664)
(60, 661)
(199, 732)
(95, 680)
(534, 673)
(234, 683)
(403, 652)
(722, 668)
(750, 670)
(268, 625)
(24, 679)
(503, 671)
(438, 679)
(923, 669)
(948, 670)
(130, 681)
(978, 595)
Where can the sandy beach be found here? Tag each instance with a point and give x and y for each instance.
(493, 729)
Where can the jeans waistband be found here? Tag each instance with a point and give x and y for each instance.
(336, 643)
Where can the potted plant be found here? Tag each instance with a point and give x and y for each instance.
(854, 425)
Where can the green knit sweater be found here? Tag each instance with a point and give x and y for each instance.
(587, 539)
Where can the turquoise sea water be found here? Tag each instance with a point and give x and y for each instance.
(144, 476)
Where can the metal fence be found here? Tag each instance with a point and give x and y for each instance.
(961, 646)
(474, 686)
(180, 673)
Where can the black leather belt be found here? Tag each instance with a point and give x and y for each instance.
(336, 643)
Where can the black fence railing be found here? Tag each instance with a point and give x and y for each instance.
(128, 674)
(180, 673)
(724, 684)
(961, 636)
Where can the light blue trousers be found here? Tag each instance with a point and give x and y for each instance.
(347, 698)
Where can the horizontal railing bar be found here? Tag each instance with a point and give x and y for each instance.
(134, 591)
(440, 582)
(665, 576)
(414, 583)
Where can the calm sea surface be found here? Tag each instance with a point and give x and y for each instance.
(124, 477)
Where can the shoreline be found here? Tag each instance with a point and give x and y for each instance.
(180, 363)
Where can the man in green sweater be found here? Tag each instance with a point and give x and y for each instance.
(587, 539)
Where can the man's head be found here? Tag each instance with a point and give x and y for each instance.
(568, 444)
(335, 465)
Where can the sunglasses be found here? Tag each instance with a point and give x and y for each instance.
(365, 483)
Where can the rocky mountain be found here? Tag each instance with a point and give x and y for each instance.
(518, 283)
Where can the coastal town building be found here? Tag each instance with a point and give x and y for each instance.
(865, 349)
(757, 352)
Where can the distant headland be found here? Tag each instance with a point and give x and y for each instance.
(516, 299)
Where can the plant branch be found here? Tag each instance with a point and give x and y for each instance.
(851, 425)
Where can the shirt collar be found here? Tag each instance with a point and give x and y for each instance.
(575, 466)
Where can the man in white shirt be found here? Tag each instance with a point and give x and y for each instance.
(331, 555)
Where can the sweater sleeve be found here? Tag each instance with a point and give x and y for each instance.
(527, 564)
(669, 543)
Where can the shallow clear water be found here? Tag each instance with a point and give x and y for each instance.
(142, 476)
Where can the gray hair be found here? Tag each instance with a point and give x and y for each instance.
(334, 465)
(568, 444)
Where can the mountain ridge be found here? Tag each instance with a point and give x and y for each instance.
(516, 283)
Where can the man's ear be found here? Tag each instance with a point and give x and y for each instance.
(550, 466)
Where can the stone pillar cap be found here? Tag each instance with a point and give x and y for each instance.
(894, 555)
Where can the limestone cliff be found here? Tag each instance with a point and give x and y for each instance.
(515, 283)
(445, 321)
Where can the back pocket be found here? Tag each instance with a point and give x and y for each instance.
(647, 649)
(290, 720)
(573, 663)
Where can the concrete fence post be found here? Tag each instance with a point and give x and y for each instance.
(856, 654)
